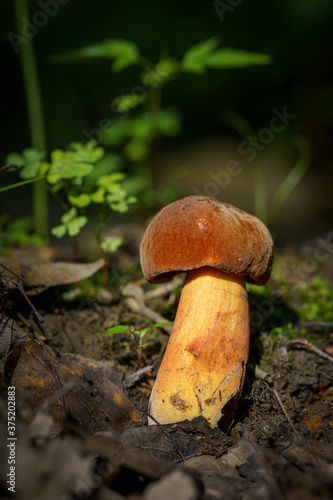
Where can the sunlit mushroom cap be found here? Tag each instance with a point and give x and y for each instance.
(199, 231)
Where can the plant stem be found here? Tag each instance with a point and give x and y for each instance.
(154, 108)
(260, 191)
(35, 113)
(245, 130)
(293, 178)
(22, 183)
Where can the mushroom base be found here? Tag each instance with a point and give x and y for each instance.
(203, 368)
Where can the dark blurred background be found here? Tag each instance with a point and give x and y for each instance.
(78, 95)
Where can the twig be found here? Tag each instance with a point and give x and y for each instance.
(262, 375)
(163, 430)
(309, 346)
(135, 301)
(38, 316)
(163, 289)
(314, 324)
(134, 377)
(6, 167)
(277, 396)
(49, 354)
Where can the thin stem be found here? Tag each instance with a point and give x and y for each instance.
(154, 108)
(35, 113)
(260, 193)
(18, 184)
(293, 178)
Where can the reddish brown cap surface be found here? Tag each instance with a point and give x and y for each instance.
(199, 231)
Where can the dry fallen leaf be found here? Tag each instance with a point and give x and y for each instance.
(37, 272)
(66, 385)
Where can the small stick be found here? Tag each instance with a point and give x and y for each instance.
(135, 301)
(38, 316)
(163, 289)
(163, 430)
(314, 324)
(309, 346)
(6, 167)
(262, 375)
(283, 408)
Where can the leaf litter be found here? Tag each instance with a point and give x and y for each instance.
(82, 399)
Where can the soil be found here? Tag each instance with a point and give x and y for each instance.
(82, 397)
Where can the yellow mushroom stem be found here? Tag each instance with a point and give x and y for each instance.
(203, 368)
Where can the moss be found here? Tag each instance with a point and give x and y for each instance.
(314, 300)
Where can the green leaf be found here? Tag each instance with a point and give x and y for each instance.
(98, 196)
(117, 329)
(137, 150)
(111, 182)
(53, 178)
(66, 167)
(142, 127)
(118, 195)
(227, 58)
(87, 153)
(68, 216)
(83, 200)
(111, 162)
(59, 231)
(32, 155)
(111, 243)
(75, 226)
(70, 224)
(124, 53)
(157, 325)
(194, 60)
(169, 122)
(30, 170)
(126, 102)
(120, 206)
(30, 160)
(143, 332)
(14, 159)
(159, 74)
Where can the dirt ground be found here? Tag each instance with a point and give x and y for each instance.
(82, 395)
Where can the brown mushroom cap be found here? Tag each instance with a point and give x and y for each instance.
(199, 231)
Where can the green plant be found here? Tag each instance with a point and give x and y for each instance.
(138, 335)
(138, 136)
(18, 232)
(77, 178)
(314, 300)
(267, 209)
(35, 114)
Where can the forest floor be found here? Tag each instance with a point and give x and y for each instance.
(81, 394)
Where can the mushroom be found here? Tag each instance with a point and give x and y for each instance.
(219, 246)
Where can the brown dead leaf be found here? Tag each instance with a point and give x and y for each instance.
(10, 335)
(193, 437)
(37, 272)
(66, 385)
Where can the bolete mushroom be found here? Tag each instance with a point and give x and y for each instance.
(219, 246)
